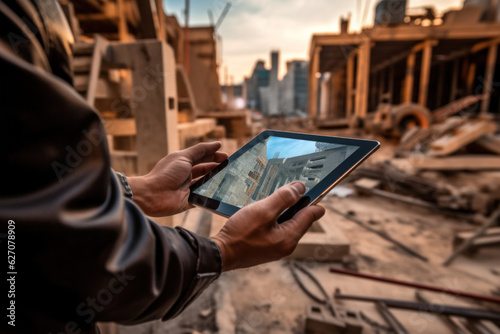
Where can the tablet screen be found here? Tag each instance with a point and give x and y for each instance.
(271, 164)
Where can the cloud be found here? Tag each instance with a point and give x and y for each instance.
(252, 28)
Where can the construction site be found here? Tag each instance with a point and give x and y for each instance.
(410, 242)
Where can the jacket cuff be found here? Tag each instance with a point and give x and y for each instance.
(208, 266)
(124, 186)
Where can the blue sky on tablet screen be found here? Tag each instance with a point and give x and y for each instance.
(289, 147)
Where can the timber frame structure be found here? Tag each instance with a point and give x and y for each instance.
(351, 74)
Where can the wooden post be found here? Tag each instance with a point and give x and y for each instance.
(425, 72)
(349, 85)
(488, 77)
(313, 85)
(154, 95)
(408, 88)
(154, 99)
(362, 80)
(122, 21)
(471, 76)
(100, 45)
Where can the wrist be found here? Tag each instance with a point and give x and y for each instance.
(224, 252)
(142, 193)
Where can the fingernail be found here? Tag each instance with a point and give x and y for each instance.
(300, 187)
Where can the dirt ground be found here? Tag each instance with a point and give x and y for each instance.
(266, 299)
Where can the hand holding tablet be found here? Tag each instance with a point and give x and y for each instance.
(274, 159)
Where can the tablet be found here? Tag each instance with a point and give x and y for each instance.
(274, 159)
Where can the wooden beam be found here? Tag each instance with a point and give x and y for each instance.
(457, 162)
(471, 76)
(408, 87)
(313, 84)
(155, 107)
(425, 72)
(490, 143)
(122, 21)
(199, 128)
(397, 58)
(95, 68)
(466, 31)
(362, 80)
(349, 86)
(485, 45)
(323, 242)
(120, 127)
(488, 77)
(462, 136)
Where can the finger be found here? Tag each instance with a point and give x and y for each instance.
(282, 199)
(298, 225)
(203, 168)
(200, 151)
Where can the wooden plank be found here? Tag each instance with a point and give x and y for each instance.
(82, 64)
(490, 143)
(460, 162)
(198, 129)
(95, 68)
(488, 77)
(463, 236)
(425, 72)
(464, 135)
(313, 84)
(120, 127)
(349, 85)
(323, 242)
(408, 85)
(362, 80)
(185, 91)
(471, 76)
(490, 222)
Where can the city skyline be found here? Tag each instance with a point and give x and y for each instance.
(253, 28)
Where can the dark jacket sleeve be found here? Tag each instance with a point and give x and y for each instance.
(84, 253)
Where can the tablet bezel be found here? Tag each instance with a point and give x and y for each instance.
(313, 196)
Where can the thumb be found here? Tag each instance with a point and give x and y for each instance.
(283, 198)
(200, 151)
(298, 225)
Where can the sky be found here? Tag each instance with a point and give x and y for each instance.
(289, 147)
(252, 28)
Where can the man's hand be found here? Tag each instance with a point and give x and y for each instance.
(252, 236)
(165, 190)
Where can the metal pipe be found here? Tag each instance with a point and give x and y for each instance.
(416, 285)
(427, 307)
(390, 318)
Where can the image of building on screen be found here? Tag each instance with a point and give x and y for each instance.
(253, 176)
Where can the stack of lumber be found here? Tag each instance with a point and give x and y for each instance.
(459, 143)
(469, 202)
